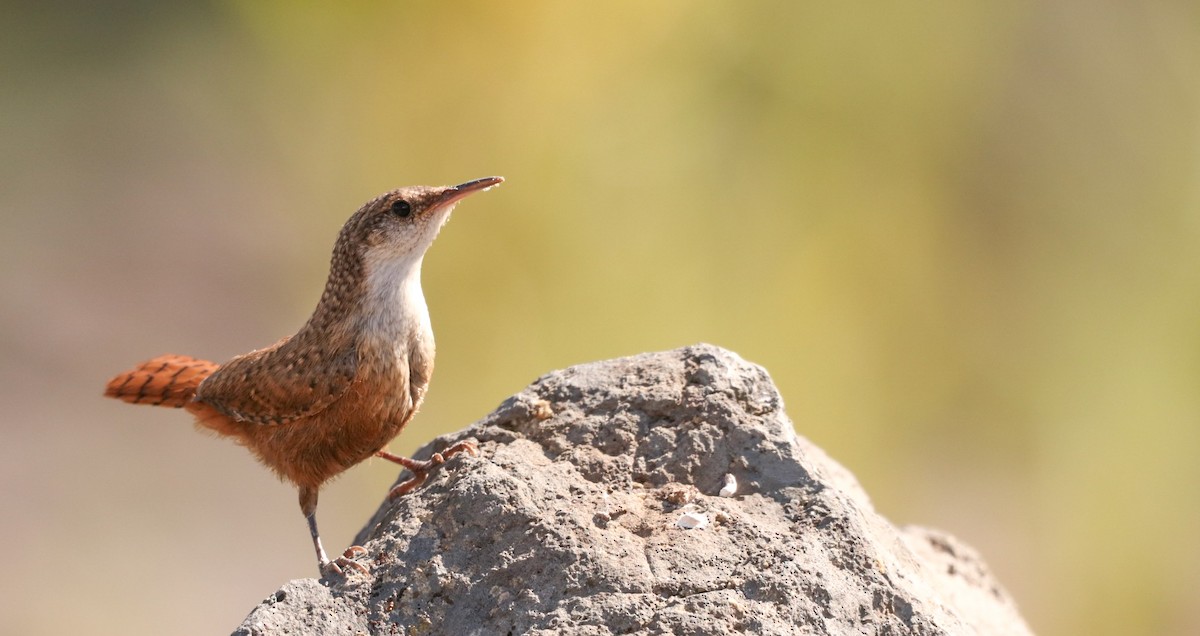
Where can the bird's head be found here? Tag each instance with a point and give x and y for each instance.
(401, 225)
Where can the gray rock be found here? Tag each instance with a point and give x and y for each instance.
(567, 522)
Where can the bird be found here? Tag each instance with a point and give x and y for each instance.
(346, 383)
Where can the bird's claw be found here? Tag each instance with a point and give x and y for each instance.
(334, 567)
(420, 470)
(407, 486)
(466, 446)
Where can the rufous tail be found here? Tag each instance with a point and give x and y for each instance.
(170, 380)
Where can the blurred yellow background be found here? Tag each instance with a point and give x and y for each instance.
(964, 238)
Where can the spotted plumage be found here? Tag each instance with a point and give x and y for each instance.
(335, 393)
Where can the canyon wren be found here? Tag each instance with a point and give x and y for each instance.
(339, 390)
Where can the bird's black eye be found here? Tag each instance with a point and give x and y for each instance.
(401, 208)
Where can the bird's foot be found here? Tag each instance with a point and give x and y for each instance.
(464, 446)
(335, 567)
(421, 469)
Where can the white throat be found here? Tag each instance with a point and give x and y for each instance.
(394, 309)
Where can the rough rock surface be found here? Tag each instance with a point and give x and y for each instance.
(567, 523)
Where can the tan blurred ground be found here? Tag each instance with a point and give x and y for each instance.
(963, 237)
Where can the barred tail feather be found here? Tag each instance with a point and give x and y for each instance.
(169, 380)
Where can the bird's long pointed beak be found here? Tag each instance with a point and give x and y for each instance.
(455, 194)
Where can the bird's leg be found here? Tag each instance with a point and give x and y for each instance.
(308, 505)
(420, 470)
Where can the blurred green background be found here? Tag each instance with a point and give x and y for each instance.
(964, 238)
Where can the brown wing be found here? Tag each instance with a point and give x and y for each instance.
(280, 384)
